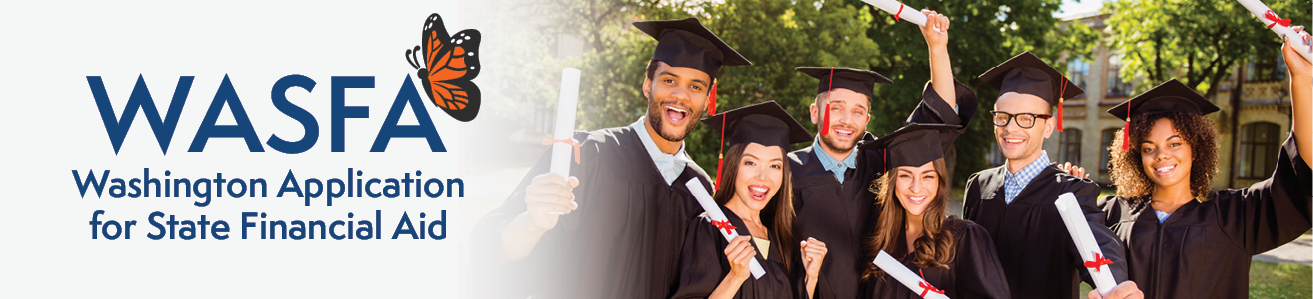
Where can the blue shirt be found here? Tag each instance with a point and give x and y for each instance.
(669, 165)
(835, 166)
(1162, 216)
(1014, 182)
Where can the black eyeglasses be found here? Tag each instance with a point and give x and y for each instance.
(1024, 120)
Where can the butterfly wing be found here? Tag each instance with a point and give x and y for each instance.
(451, 62)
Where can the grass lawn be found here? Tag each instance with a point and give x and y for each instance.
(1272, 280)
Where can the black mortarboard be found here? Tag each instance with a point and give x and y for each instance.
(765, 123)
(859, 81)
(912, 145)
(686, 43)
(1026, 73)
(1169, 96)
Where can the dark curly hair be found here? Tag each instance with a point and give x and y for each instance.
(1198, 132)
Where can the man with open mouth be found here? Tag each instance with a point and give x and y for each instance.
(831, 176)
(615, 228)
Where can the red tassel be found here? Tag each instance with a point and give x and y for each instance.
(720, 160)
(825, 124)
(1062, 90)
(1126, 136)
(711, 107)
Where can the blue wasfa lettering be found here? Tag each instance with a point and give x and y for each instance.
(140, 99)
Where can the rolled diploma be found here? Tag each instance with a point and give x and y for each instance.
(1259, 10)
(562, 153)
(713, 211)
(903, 275)
(1085, 243)
(910, 14)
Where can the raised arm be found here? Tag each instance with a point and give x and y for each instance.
(941, 70)
(1301, 90)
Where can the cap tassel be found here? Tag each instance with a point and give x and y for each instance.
(711, 107)
(1062, 90)
(1126, 136)
(825, 124)
(1126, 131)
(720, 159)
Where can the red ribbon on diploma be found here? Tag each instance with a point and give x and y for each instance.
(1272, 16)
(1097, 262)
(569, 141)
(926, 288)
(897, 16)
(723, 225)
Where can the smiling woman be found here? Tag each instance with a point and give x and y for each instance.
(756, 196)
(952, 255)
(1177, 234)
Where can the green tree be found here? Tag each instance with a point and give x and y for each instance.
(982, 35)
(778, 35)
(1198, 42)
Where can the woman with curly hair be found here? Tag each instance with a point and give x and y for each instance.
(955, 256)
(1183, 241)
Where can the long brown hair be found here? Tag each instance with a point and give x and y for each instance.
(934, 249)
(779, 208)
(1127, 167)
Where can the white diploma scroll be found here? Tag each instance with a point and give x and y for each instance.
(898, 9)
(1089, 248)
(1270, 18)
(713, 211)
(566, 104)
(905, 276)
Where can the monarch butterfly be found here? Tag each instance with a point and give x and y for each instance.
(448, 65)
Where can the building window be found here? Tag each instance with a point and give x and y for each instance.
(1265, 69)
(1116, 86)
(1078, 69)
(1258, 150)
(995, 155)
(1069, 147)
(1105, 141)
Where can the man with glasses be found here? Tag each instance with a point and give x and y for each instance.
(1014, 202)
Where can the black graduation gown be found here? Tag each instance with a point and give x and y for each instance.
(703, 264)
(974, 272)
(1037, 253)
(623, 241)
(837, 213)
(1204, 249)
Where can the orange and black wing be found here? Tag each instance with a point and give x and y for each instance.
(450, 64)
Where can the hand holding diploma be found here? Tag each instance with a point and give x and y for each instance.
(718, 217)
(551, 195)
(900, 11)
(916, 283)
(1089, 250)
(1278, 25)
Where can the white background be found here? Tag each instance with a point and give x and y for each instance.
(49, 125)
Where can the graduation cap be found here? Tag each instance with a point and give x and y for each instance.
(765, 123)
(686, 43)
(859, 81)
(1026, 73)
(912, 145)
(1169, 96)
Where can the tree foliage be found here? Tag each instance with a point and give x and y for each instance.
(779, 35)
(1196, 41)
